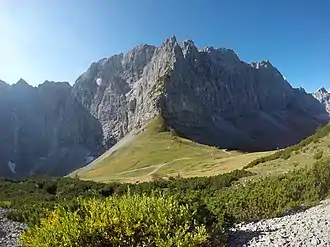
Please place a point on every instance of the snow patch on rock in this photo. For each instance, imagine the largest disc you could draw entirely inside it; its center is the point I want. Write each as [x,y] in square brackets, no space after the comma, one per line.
[12,166]
[99,81]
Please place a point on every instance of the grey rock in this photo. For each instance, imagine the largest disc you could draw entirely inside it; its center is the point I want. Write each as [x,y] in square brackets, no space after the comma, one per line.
[315,241]
[323,96]
[44,130]
[208,95]
[9,231]
[307,228]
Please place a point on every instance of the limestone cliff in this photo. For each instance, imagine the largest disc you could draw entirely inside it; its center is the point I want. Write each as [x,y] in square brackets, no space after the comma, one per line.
[44,130]
[208,95]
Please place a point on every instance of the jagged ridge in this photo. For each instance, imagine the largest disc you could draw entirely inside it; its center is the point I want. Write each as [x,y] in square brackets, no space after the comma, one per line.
[208,95]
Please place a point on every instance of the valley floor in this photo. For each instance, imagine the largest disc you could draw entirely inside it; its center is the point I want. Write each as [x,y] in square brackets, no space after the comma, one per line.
[308,228]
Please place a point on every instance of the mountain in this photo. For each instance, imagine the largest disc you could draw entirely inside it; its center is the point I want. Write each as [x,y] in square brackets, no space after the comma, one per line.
[207,95]
[44,130]
[323,96]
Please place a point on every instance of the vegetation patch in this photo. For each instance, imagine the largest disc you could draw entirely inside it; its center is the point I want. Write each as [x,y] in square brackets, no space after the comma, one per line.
[318,155]
[156,149]
[213,203]
[184,211]
[275,196]
[287,152]
[129,220]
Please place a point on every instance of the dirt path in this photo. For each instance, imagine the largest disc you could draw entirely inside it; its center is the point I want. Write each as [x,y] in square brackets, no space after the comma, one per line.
[157,167]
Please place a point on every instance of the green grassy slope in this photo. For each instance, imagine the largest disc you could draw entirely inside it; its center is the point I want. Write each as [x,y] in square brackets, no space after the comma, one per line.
[303,154]
[155,152]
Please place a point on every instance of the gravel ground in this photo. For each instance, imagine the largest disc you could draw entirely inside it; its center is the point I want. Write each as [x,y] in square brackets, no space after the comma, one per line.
[308,228]
[9,231]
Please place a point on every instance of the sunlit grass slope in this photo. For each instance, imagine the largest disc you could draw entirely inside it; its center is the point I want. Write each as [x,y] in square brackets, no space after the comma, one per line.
[156,152]
[303,154]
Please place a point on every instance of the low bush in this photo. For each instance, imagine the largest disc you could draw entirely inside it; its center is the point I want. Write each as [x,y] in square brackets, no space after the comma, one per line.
[274,196]
[30,198]
[129,220]
[318,155]
[213,204]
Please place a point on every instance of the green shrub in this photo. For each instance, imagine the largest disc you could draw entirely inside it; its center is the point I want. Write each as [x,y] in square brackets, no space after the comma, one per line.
[129,220]
[5,204]
[316,140]
[318,155]
[212,204]
[274,196]
[286,156]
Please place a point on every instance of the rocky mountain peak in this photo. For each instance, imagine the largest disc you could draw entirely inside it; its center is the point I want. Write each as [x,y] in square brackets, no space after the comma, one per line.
[22,84]
[262,64]
[222,51]
[52,84]
[321,91]
[54,91]
[3,84]
[208,95]
[141,48]
[323,96]
[224,56]
[170,40]
[188,48]
[23,91]
[265,66]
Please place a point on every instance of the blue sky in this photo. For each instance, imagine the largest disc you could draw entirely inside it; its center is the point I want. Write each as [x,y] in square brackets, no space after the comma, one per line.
[58,39]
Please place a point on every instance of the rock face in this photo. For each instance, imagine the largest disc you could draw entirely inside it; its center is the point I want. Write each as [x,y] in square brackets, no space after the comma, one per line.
[44,130]
[323,96]
[208,95]
[116,92]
